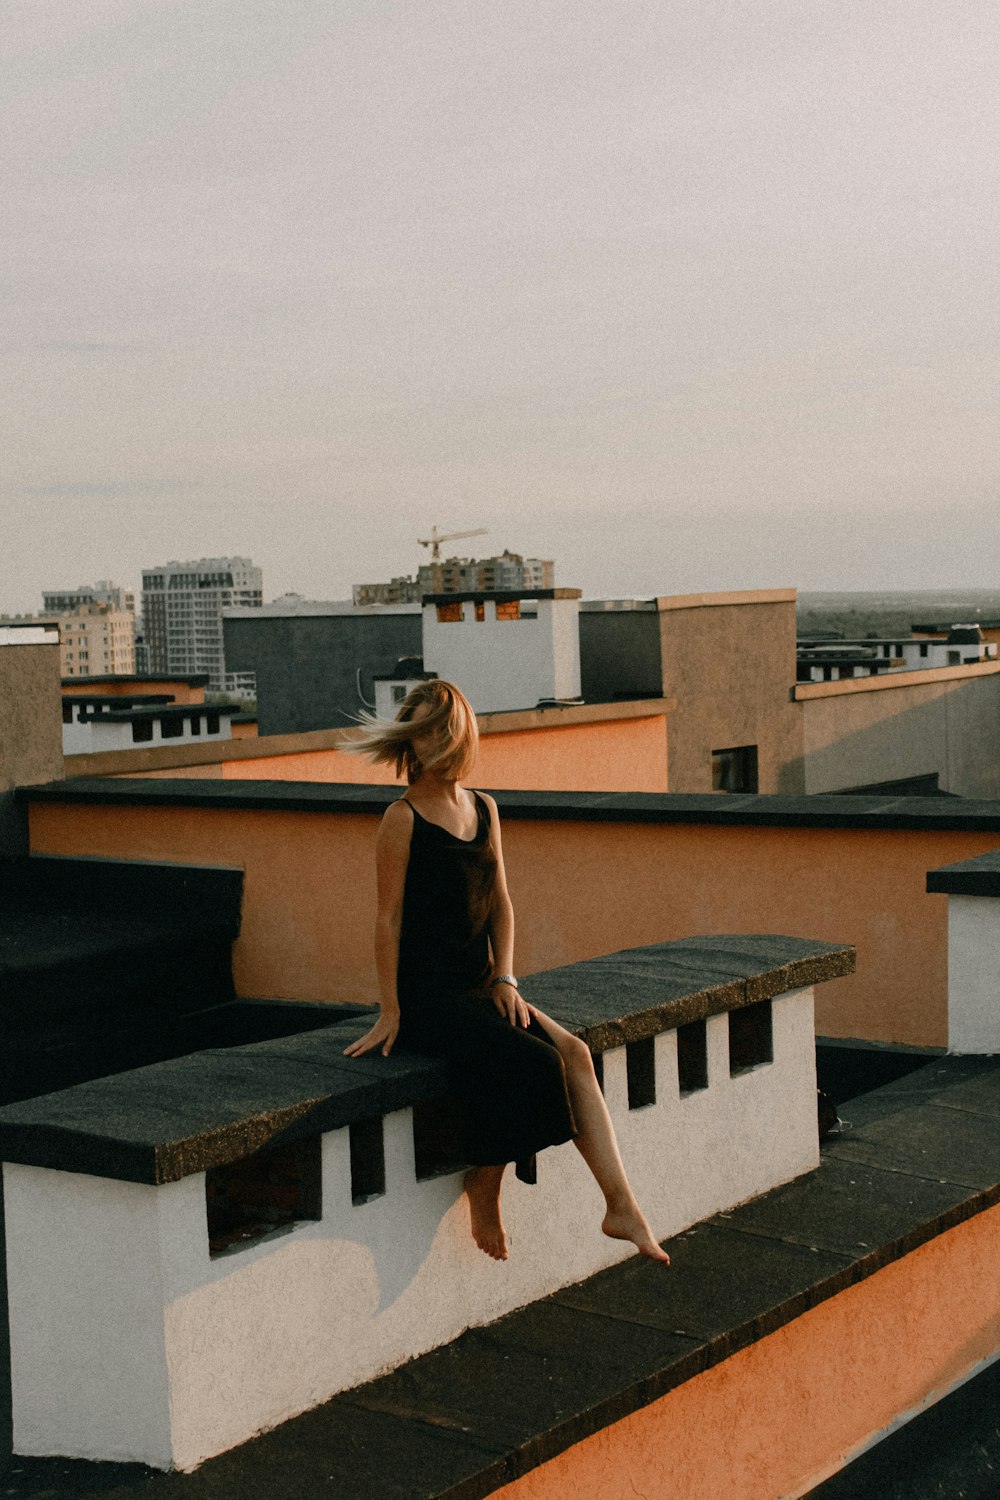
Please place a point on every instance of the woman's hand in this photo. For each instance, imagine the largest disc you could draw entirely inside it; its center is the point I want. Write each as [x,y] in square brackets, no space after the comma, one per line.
[383,1034]
[509,1003]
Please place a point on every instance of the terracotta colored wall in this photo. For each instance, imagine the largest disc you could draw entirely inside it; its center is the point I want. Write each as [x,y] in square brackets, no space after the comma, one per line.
[180,689]
[782,1415]
[580,889]
[309,893]
[617,756]
[731,667]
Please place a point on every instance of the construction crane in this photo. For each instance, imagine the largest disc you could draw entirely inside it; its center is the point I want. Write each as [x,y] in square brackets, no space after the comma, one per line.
[437,537]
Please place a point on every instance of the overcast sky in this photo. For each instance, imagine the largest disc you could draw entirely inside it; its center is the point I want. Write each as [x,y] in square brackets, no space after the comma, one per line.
[686,294]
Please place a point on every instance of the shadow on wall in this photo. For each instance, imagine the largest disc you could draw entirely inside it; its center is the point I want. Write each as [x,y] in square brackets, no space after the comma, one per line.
[953,728]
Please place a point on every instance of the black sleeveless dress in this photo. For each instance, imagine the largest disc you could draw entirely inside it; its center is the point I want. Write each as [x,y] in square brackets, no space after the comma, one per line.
[509,1081]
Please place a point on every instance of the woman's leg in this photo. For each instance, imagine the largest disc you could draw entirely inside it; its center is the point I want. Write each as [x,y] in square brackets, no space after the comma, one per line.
[595,1140]
[482,1188]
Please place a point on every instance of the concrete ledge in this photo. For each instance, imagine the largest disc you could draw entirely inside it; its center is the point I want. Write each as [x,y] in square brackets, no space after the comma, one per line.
[969,877]
[666,602]
[168,1121]
[882,682]
[368,1261]
[825,810]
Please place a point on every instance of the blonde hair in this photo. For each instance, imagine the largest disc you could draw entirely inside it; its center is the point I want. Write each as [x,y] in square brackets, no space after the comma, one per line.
[449,726]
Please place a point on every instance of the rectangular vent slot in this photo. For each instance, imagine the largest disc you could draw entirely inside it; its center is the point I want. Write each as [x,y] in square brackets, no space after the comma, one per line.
[640,1064]
[272,1189]
[692,1057]
[751,1042]
[367,1160]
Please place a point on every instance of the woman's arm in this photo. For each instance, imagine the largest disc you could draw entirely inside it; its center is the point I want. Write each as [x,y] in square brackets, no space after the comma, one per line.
[392,855]
[505,997]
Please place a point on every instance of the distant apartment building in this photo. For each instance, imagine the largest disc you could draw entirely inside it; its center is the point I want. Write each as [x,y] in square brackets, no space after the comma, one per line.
[402,590]
[96,629]
[96,640]
[104,591]
[509,572]
[182,604]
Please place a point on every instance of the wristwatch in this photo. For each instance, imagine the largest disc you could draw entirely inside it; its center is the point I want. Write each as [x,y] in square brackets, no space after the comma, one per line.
[503,979]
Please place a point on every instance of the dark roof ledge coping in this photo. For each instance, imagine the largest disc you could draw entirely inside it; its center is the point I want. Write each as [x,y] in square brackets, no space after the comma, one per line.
[835,810]
[969,877]
[164,1122]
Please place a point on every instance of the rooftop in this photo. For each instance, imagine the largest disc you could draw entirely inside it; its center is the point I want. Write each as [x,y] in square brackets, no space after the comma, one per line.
[919,1157]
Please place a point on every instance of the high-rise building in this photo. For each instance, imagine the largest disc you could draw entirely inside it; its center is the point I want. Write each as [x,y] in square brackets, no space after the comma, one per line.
[458,575]
[65,601]
[182,604]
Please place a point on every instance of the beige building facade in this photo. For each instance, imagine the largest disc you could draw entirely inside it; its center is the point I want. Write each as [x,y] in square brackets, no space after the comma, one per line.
[96,640]
[729,661]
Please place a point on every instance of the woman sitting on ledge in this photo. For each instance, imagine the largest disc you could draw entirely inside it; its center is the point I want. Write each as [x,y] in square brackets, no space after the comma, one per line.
[444,951]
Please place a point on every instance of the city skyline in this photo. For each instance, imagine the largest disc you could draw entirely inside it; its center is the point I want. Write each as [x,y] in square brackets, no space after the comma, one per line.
[690,301]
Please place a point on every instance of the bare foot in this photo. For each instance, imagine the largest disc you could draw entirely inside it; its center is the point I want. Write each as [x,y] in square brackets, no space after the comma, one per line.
[629,1223]
[482,1188]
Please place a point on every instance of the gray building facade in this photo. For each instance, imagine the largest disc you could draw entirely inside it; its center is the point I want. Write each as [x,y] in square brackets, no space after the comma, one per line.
[315,663]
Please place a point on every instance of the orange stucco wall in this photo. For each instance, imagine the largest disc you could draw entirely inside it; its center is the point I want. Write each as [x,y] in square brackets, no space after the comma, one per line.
[544,749]
[618,756]
[580,889]
[783,1414]
[179,688]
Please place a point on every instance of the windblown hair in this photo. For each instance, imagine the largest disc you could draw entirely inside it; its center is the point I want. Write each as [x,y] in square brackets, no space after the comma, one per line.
[449,728]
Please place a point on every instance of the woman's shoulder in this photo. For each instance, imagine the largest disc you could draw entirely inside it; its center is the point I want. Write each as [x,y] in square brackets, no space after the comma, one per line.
[488,803]
[397,820]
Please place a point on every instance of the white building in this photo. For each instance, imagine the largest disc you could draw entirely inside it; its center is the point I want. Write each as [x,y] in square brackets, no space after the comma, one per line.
[92,722]
[505,650]
[182,604]
[825,660]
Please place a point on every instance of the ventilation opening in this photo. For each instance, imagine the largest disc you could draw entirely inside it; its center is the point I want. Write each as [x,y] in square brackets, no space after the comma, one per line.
[735,769]
[367,1160]
[750,1037]
[640,1065]
[692,1057]
[437,1137]
[272,1189]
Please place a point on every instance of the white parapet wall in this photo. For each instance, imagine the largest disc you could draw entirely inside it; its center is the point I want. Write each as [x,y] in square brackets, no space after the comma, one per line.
[973,974]
[973,890]
[129,1341]
[86,734]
